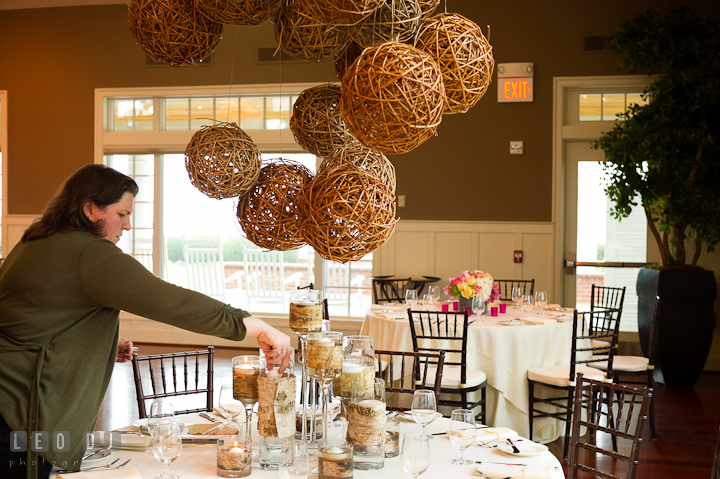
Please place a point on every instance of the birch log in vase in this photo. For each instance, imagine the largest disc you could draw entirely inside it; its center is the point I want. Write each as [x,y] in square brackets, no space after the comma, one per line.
[364,374]
[366,423]
[324,358]
[306,316]
[245,386]
[276,406]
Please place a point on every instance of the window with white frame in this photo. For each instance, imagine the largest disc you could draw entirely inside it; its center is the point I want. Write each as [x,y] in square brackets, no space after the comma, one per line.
[144,134]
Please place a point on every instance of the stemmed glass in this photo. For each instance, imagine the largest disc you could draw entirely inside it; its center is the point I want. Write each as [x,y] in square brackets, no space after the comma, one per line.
[246,371]
[478,305]
[294,462]
[411,297]
[427,302]
[517,294]
[423,407]
[161,412]
[168,446]
[415,455]
[541,300]
[324,361]
[526,302]
[434,293]
[462,433]
[229,407]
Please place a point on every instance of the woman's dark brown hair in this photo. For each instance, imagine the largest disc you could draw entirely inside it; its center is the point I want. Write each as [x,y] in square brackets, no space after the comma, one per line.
[97,183]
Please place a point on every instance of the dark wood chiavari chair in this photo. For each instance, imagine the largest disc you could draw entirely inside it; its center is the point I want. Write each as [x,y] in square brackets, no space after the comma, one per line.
[507,285]
[405,372]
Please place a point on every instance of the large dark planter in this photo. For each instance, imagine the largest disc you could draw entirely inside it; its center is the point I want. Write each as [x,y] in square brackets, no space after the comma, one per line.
[685,325]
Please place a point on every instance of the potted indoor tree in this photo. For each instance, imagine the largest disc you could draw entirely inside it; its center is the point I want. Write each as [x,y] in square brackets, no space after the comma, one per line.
[665,153]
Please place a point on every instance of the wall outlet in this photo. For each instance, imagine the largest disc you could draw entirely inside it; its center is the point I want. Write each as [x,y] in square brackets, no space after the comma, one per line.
[401,201]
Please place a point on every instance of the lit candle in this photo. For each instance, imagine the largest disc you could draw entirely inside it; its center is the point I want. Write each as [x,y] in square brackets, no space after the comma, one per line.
[371,403]
[352,368]
[324,342]
[334,453]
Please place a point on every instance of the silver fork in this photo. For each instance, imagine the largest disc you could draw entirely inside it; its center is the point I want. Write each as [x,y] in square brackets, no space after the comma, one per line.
[121,465]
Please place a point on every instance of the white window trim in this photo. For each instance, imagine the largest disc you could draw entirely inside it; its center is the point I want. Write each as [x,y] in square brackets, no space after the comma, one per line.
[3,149]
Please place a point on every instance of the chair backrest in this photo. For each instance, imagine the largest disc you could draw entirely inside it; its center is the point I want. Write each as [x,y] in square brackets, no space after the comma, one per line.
[507,285]
[606,297]
[264,276]
[716,462]
[307,286]
[174,374]
[204,266]
[435,331]
[390,290]
[625,416]
[603,327]
[654,330]
[405,372]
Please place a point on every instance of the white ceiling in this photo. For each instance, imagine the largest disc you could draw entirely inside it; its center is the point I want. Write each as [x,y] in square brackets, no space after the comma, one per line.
[20,4]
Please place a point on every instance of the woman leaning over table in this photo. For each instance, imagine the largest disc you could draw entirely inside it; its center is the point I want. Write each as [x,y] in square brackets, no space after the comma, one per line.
[61,291]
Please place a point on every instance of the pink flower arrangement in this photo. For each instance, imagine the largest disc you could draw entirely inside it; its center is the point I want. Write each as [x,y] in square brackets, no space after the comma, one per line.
[473,283]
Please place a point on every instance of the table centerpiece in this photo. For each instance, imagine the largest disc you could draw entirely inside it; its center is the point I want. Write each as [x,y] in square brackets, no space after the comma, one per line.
[471,284]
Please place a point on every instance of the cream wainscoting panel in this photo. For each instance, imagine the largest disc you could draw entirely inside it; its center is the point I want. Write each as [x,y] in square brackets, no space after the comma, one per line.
[13,228]
[445,249]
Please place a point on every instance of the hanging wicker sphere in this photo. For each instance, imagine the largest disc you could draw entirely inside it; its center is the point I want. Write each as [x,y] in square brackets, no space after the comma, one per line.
[427,7]
[464,55]
[173,31]
[346,56]
[222,161]
[392,97]
[346,213]
[237,12]
[340,11]
[317,122]
[268,213]
[363,159]
[395,21]
[302,35]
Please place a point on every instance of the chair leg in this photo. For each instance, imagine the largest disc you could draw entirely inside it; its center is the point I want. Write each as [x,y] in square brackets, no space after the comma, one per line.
[483,407]
[651,384]
[568,422]
[531,398]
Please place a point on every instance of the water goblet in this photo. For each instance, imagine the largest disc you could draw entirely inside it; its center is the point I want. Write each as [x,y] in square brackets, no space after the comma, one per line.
[411,298]
[424,407]
[161,412]
[526,304]
[168,445]
[427,302]
[478,305]
[229,407]
[462,433]
[541,300]
[434,292]
[415,455]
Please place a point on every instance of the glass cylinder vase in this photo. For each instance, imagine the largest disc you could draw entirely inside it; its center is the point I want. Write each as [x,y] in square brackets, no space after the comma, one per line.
[324,362]
[366,424]
[306,310]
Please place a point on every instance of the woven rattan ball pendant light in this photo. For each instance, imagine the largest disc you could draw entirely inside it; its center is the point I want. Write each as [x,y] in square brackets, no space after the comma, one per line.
[268,213]
[346,214]
[222,161]
[173,31]
[363,159]
[238,12]
[302,35]
[393,97]
[464,55]
[317,122]
[395,20]
[340,11]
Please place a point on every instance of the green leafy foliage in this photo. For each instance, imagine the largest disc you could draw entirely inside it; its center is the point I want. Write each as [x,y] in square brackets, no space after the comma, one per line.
[667,151]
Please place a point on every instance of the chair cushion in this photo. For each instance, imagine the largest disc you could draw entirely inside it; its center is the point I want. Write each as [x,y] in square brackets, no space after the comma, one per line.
[597,343]
[451,378]
[559,375]
[623,363]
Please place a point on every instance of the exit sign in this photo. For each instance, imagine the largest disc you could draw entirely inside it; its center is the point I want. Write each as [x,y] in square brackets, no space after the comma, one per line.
[515,89]
[515,82]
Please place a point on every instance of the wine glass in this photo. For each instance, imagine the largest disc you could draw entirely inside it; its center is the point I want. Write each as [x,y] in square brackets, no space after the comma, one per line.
[161,412]
[415,455]
[461,433]
[517,294]
[411,297]
[229,407]
[478,305]
[167,446]
[526,302]
[423,407]
[427,302]
[434,293]
[294,462]
[541,300]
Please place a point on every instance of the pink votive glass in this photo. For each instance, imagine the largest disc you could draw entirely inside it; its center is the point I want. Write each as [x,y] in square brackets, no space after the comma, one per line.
[494,311]
[456,305]
[444,308]
[502,307]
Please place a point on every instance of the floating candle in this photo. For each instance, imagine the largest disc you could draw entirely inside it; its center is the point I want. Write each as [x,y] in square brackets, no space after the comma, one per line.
[352,368]
[324,342]
[371,403]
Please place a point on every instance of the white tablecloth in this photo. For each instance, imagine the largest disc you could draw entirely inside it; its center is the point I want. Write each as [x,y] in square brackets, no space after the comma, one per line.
[201,461]
[504,353]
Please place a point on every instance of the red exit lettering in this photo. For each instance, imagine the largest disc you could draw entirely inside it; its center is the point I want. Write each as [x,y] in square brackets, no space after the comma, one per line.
[516,89]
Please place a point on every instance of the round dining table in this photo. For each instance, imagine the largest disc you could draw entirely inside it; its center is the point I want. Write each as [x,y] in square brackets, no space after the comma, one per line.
[504,350]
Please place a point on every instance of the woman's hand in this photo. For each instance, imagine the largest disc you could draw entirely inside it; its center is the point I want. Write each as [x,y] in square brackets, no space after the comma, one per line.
[273,342]
[124,351]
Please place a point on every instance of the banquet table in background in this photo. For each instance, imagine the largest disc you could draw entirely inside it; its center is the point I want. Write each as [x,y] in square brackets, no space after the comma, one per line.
[504,353]
[196,462]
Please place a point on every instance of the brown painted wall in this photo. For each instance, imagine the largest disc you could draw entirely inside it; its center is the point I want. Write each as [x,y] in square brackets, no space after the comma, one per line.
[53,59]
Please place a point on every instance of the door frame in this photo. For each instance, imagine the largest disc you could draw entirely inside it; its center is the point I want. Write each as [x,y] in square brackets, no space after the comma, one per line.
[564,132]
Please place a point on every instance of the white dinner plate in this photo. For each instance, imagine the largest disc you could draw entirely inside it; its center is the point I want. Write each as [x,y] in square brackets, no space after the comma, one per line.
[526,448]
[512,322]
[99,459]
[407,416]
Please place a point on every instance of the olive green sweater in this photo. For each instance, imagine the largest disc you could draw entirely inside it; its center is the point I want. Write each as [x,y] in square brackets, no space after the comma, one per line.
[60,299]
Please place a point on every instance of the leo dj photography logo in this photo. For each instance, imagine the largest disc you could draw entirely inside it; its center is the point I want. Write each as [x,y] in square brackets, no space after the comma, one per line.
[59,441]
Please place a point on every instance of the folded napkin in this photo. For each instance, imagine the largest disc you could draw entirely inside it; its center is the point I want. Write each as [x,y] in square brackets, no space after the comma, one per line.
[130,441]
[494,433]
[516,472]
[536,320]
[124,473]
[395,315]
[562,317]
[389,307]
